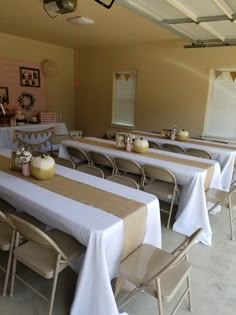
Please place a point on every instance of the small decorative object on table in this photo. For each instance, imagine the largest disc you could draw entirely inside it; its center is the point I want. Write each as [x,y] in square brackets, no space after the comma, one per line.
[183,135]
[43,167]
[120,140]
[24,158]
[173,133]
[169,133]
[141,145]
[129,142]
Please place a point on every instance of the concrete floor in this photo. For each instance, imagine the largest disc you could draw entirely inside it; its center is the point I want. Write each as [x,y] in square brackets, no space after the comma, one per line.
[213,281]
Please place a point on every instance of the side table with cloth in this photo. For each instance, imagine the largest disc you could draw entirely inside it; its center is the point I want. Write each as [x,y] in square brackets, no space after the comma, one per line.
[190,174]
[8,139]
[223,153]
[102,232]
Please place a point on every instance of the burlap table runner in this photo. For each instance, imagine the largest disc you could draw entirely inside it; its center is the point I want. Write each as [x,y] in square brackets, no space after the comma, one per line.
[207,144]
[207,166]
[132,212]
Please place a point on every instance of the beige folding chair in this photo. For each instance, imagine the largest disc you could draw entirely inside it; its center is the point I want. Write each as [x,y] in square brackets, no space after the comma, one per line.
[173,147]
[7,237]
[92,170]
[6,207]
[45,253]
[123,181]
[159,273]
[191,154]
[162,183]
[202,153]
[227,199]
[78,156]
[164,149]
[153,145]
[64,162]
[55,141]
[129,168]
[104,162]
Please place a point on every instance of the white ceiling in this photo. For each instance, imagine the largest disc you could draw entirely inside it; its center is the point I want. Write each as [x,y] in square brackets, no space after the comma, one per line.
[201,22]
[115,26]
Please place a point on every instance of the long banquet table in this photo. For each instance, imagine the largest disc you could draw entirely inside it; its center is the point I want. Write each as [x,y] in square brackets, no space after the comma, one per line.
[192,210]
[225,154]
[7,140]
[101,232]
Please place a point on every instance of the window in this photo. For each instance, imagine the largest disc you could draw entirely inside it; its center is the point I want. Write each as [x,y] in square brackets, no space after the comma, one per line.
[124,96]
[220,121]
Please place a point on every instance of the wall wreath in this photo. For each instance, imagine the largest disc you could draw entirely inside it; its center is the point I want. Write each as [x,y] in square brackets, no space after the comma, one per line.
[26,101]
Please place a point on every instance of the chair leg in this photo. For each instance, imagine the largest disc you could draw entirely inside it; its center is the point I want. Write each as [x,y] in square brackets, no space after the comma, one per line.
[189,295]
[160,307]
[14,265]
[13,276]
[56,271]
[171,208]
[9,264]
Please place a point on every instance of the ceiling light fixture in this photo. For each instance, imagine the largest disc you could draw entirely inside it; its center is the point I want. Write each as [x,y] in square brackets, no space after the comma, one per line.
[81,20]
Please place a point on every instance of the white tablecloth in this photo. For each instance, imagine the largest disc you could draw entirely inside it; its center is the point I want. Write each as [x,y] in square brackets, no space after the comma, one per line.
[101,232]
[192,211]
[225,156]
[6,140]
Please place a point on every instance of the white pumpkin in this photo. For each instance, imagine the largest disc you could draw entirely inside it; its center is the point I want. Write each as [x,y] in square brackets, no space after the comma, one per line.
[43,167]
[140,145]
[183,135]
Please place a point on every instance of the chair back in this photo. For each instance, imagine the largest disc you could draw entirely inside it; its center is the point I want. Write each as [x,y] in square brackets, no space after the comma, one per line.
[123,181]
[153,145]
[202,153]
[191,154]
[158,173]
[77,153]
[127,165]
[179,253]
[57,139]
[173,147]
[92,170]
[101,159]
[64,162]
[33,234]
[3,218]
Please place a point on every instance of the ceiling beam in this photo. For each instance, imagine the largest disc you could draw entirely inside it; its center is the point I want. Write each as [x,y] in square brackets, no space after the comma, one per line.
[193,16]
[225,8]
[198,20]
[209,45]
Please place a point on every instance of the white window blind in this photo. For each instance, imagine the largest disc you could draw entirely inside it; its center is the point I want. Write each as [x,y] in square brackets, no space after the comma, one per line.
[220,119]
[124,97]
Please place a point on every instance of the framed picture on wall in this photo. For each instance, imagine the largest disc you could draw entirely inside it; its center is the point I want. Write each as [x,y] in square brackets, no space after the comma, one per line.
[29,77]
[4,98]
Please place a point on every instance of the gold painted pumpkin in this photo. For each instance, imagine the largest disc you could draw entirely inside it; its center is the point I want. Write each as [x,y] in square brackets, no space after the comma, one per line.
[140,145]
[43,167]
[182,135]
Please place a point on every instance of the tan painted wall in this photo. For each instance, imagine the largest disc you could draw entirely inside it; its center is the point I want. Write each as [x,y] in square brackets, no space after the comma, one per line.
[172,84]
[60,93]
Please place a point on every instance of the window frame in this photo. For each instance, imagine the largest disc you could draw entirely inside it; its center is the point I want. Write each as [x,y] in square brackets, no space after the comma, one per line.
[113,122]
[213,75]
